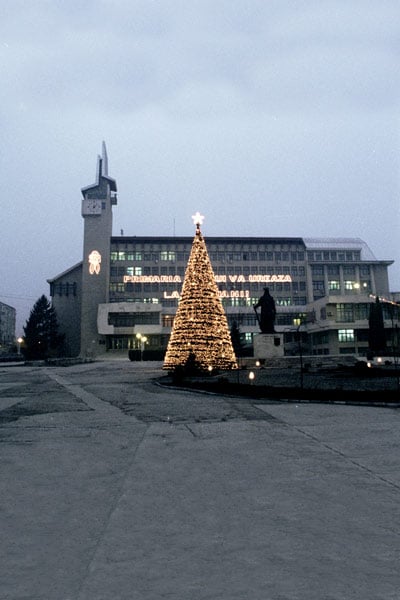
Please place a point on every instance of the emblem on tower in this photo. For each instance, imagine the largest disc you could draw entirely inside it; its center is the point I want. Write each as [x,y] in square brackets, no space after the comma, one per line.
[94,262]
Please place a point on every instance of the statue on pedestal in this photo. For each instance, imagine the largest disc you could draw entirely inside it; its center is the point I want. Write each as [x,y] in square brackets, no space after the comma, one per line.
[268,312]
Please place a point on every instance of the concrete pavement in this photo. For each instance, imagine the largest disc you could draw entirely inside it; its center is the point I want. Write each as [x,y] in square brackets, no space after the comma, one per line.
[113,488]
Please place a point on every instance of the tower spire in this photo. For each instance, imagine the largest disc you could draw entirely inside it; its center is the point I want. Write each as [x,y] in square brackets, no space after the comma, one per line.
[104,159]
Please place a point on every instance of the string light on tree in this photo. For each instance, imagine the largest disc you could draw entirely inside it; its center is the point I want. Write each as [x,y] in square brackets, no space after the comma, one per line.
[200,332]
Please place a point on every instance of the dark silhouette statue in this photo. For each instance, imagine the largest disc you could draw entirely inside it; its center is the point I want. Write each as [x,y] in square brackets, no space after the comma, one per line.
[268,312]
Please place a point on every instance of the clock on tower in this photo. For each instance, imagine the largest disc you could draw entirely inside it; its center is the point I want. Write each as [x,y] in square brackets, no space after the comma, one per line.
[91,207]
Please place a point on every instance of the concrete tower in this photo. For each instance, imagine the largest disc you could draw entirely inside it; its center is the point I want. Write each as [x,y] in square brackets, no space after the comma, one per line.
[97,203]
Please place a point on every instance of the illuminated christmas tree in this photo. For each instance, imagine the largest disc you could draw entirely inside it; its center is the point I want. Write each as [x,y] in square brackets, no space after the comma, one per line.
[200,334]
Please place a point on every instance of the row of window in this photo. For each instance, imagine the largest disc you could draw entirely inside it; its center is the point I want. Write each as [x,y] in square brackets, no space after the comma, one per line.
[334,255]
[171,255]
[63,289]
[119,286]
[335,287]
[246,271]
[133,318]
[334,270]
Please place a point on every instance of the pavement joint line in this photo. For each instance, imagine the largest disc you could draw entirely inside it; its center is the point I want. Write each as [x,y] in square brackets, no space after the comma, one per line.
[94,402]
[346,457]
[113,508]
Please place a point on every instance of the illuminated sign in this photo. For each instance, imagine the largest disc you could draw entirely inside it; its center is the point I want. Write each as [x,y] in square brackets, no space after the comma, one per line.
[94,262]
[218,278]
[152,279]
[222,294]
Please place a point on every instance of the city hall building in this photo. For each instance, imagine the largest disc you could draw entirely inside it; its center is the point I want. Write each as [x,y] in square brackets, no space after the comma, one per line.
[129,285]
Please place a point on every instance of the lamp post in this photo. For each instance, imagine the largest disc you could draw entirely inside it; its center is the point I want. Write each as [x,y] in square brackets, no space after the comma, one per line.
[142,339]
[19,342]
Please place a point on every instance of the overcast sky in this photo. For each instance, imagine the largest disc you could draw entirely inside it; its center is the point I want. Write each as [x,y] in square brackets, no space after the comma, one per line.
[270,117]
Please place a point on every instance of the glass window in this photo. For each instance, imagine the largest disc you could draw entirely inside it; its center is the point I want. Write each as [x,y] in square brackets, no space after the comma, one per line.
[346,335]
[167,255]
[317,270]
[333,270]
[344,313]
[334,285]
[118,255]
[361,311]
[349,270]
[318,286]
[364,270]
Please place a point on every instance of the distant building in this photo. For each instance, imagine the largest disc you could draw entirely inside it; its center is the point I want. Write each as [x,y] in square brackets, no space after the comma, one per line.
[127,285]
[7,326]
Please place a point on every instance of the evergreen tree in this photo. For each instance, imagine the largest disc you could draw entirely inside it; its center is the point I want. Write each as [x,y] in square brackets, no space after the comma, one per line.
[236,337]
[200,332]
[376,338]
[41,338]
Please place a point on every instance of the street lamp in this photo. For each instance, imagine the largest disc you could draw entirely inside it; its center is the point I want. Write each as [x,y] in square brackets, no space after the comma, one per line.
[19,342]
[142,339]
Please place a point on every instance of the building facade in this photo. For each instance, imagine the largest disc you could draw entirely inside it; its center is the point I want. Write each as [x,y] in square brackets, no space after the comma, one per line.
[7,326]
[129,285]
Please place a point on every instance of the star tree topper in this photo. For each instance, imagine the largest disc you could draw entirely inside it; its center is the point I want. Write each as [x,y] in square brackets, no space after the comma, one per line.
[198,219]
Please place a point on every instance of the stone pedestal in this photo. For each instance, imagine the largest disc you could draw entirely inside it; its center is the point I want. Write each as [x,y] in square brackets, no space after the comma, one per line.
[268,345]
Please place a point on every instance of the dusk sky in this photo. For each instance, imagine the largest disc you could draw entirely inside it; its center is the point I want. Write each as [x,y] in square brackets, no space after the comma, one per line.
[270,117]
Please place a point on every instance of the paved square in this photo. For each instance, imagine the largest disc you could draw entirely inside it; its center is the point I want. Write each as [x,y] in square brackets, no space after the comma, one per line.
[116,489]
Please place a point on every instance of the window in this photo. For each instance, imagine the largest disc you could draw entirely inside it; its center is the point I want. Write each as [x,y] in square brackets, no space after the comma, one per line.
[364,270]
[350,285]
[333,270]
[334,285]
[319,287]
[317,270]
[167,255]
[132,319]
[135,255]
[344,313]
[346,335]
[167,320]
[361,311]
[349,270]
[117,287]
[133,270]
[118,255]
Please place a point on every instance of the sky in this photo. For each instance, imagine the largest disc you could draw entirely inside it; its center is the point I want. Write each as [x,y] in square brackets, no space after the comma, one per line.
[270,117]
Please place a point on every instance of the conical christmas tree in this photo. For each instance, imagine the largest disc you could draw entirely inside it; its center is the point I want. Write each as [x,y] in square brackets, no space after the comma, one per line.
[200,334]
